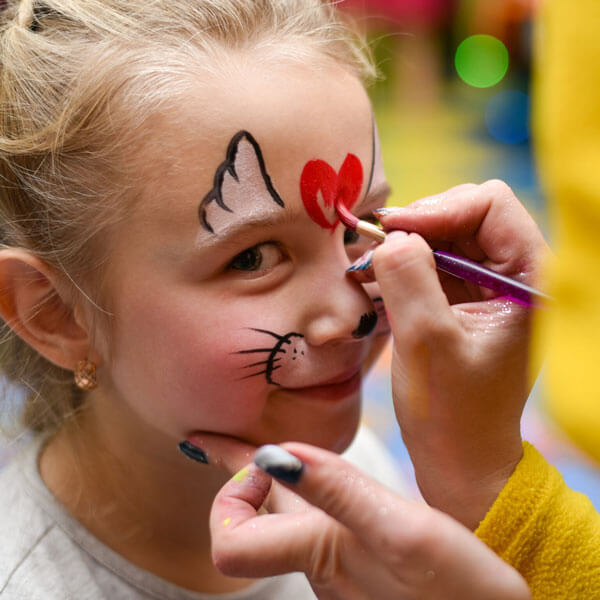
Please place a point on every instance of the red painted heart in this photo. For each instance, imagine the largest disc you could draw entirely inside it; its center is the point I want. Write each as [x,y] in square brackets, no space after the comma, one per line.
[345,186]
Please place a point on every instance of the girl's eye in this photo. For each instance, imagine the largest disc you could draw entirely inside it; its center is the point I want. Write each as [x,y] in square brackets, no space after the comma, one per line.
[261,257]
[357,244]
[248,260]
[350,237]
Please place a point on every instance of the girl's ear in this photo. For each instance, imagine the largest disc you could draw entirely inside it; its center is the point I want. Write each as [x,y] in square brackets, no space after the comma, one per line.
[33,307]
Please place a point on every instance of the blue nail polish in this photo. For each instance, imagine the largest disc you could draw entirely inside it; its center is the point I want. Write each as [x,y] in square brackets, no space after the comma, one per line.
[381,212]
[193,452]
[363,263]
[279,463]
[366,265]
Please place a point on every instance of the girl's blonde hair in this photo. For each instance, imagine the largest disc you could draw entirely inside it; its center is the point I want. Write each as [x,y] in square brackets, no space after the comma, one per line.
[78,79]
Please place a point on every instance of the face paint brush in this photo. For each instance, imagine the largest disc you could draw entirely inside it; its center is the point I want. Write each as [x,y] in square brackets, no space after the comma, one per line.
[454,265]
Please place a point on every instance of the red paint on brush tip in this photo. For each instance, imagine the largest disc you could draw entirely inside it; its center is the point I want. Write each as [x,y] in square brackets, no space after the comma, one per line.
[346,217]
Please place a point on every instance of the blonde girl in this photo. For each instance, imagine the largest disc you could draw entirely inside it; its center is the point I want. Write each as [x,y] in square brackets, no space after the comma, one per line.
[172,264]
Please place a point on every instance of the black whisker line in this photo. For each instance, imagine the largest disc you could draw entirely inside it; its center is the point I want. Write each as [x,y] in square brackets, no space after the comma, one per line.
[261,373]
[275,335]
[253,375]
[262,362]
[271,359]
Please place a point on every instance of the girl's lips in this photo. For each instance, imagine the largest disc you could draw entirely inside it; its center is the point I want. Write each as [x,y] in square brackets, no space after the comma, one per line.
[333,389]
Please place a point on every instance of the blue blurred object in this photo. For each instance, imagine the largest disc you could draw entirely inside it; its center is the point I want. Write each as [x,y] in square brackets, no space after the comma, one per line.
[581,477]
[507,116]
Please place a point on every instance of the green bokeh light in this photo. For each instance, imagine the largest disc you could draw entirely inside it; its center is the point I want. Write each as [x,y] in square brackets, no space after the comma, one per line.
[481,60]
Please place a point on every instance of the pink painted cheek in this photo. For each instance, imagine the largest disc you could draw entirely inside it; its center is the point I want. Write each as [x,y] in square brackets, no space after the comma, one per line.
[217,395]
[186,376]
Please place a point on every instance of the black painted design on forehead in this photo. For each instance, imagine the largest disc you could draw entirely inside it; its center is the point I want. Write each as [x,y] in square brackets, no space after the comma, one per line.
[243,162]
[373,151]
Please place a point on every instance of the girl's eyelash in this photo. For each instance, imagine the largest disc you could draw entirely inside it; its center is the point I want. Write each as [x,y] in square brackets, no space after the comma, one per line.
[370,218]
[351,237]
[252,258]
[245,260]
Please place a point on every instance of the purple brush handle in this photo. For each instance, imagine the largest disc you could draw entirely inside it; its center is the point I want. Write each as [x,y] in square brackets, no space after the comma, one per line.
[466,269]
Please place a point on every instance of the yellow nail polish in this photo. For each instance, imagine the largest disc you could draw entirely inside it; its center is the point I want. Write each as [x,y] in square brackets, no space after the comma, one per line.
[241,475]
[226,521]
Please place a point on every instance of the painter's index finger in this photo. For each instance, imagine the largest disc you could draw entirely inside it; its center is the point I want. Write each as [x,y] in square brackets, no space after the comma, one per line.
[248,542]
[222,451]
[489,213]
[370,510]
[240,499]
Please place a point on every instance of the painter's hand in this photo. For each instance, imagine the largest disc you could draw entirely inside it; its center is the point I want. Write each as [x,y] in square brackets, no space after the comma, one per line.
[460,357]
[362,542]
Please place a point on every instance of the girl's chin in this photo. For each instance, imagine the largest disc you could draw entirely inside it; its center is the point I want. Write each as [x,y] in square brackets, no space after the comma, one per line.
[324,437]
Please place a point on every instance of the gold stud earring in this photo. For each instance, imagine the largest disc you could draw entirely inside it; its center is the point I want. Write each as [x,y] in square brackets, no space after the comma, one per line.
[85,375]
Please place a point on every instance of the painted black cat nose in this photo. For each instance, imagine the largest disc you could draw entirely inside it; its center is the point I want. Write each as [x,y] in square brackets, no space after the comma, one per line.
[366,325]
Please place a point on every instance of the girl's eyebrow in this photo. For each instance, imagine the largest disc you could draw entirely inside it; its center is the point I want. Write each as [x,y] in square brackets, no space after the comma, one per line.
[244,225]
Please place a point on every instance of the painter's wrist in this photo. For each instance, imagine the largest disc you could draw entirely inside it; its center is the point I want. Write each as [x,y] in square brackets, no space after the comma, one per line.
[465,487]
[467,501]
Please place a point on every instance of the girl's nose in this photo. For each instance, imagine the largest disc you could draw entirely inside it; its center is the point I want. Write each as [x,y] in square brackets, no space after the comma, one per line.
[340,309]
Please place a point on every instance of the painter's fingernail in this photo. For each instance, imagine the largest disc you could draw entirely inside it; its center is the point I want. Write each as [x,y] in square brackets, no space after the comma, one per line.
[279,463]
[387,210]
[363,263]
[381,212]
[193,452]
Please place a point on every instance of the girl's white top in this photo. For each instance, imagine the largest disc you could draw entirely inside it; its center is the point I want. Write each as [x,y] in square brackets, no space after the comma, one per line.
[45,554]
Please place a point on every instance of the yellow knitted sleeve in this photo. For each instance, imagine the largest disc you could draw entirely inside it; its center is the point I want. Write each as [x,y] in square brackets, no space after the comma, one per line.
[566,119]
[548,532]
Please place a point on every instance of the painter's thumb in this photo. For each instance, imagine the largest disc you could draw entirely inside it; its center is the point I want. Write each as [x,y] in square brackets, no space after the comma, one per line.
[414,299]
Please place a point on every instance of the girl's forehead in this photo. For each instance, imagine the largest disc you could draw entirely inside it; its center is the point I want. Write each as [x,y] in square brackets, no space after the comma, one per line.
[244,197]
[290,117]
[292,112]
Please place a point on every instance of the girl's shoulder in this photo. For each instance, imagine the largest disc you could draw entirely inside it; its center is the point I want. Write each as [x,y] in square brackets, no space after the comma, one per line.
[46,555]
[37,559]
[21,521]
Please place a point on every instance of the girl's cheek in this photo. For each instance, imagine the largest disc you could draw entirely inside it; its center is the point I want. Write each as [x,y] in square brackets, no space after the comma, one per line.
[226,381]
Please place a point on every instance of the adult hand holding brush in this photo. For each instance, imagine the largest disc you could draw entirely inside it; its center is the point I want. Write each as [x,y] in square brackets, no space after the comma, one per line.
[461,371]
[460,380]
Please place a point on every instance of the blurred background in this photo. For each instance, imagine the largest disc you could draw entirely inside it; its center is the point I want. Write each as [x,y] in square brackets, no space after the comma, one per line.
[453,106]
